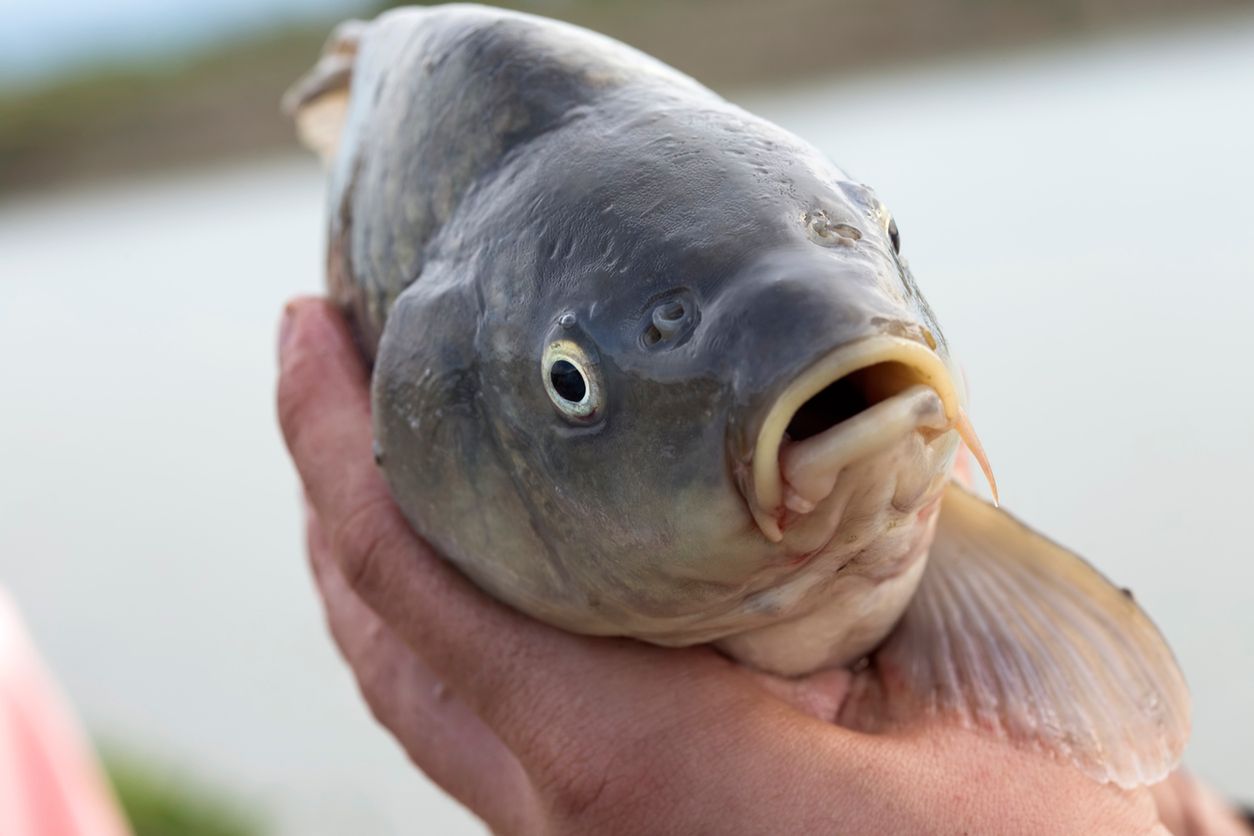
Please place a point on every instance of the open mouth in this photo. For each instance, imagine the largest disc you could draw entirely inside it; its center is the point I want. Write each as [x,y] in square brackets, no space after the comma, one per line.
[850,396]
[856,401]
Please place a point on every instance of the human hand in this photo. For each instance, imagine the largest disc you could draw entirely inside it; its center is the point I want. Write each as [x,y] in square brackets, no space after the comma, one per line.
[541,731]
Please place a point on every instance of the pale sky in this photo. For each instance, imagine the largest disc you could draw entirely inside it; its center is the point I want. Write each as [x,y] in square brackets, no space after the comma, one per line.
[41,36]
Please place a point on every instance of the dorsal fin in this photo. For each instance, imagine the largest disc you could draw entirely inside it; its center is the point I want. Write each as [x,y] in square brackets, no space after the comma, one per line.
[318,102]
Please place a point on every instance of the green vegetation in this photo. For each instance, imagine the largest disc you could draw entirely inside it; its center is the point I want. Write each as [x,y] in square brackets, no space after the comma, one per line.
[223,101]
[159,802]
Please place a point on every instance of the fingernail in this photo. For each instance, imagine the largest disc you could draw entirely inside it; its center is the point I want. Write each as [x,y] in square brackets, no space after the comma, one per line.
[285,325]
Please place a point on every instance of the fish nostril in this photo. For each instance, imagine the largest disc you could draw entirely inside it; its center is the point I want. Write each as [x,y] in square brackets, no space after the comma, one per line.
[848,396]
[669,322]
[672,311]
[823,230]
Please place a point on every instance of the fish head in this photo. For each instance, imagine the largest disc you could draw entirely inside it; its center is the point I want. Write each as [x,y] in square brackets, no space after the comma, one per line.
[686,381]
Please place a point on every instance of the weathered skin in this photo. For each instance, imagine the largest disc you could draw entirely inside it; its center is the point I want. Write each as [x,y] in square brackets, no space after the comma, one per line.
[498,173]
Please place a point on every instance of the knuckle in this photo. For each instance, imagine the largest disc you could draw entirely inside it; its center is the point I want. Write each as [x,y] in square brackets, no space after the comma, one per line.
[577,792]
[380,689]
[361,543]
[599,768]
[615,777]
[612,799]
[591,778]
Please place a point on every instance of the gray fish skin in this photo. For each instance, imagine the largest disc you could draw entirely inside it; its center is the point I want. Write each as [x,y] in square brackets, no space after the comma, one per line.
[504,181]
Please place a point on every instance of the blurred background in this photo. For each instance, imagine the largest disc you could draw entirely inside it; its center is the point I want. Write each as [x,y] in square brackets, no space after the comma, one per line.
[1072,180]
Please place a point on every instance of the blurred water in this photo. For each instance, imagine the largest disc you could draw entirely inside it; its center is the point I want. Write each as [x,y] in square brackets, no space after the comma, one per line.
[1081,220]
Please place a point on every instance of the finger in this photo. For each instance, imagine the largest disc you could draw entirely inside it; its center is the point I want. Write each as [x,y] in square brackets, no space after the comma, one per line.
[1188,808]
[512,671]
[441,735]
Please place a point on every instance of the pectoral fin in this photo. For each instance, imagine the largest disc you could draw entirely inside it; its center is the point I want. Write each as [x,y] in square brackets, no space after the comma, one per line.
[1014,634]
[319,100]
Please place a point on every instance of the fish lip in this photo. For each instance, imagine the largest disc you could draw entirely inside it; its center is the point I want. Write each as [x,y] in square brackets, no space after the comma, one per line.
[766,493]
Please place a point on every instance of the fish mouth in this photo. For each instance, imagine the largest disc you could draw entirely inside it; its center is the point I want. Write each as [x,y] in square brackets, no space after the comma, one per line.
[852,403]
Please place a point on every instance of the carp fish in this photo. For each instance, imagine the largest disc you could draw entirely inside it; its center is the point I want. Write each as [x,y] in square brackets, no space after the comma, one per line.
[646,365]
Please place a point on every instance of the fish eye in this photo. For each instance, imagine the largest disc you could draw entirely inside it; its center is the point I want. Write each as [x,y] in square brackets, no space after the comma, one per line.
[568,382]
[894,235]
[571,381]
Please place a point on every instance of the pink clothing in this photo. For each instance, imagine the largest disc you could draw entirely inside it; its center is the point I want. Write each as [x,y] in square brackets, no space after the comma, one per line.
[50,783]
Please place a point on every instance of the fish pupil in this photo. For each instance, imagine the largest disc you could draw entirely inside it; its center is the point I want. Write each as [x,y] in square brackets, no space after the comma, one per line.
[567,381]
